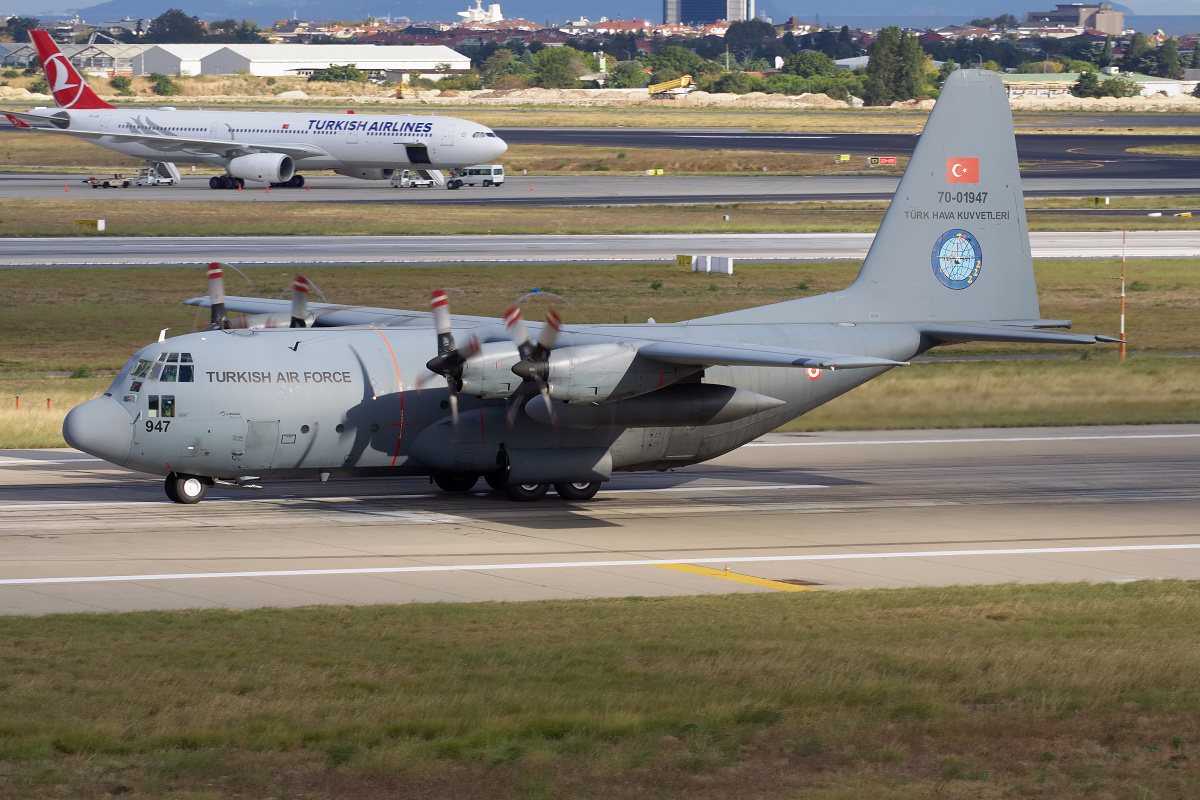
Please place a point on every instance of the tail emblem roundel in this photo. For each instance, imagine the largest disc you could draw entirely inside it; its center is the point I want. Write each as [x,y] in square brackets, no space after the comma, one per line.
[58,73]
[957,259]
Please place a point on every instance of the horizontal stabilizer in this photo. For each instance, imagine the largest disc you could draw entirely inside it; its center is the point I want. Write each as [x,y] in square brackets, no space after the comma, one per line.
[954,334]
[702,354]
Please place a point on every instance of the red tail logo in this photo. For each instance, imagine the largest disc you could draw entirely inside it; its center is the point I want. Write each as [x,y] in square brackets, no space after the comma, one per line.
[69,89]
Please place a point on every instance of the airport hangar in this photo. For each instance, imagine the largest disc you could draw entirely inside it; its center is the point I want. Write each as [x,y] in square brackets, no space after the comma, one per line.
[263,60]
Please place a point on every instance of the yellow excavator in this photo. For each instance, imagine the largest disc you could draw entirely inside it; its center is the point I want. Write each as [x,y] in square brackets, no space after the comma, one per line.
[667,89]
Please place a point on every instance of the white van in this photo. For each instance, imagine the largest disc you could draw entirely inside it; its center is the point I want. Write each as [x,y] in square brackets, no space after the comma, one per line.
[479,175]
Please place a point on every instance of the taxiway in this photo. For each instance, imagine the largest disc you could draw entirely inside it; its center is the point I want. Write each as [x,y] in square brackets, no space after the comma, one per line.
[791,511]
[550,248]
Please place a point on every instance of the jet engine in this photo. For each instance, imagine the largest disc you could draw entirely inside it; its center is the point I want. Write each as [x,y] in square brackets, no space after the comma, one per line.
[265,167]
[367,174]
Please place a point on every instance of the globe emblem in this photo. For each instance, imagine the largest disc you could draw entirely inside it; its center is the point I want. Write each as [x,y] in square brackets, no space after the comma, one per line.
[957,259]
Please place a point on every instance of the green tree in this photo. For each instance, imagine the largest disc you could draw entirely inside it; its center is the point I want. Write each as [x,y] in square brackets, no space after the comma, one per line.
[1006,21]
[1169,64]
[682,60]
[882,68]
[911,72]
[748,34]
[163,85]
[339,74]
[1119,87]
[1088,85]
[19,27]
[1136,53]
[627,75]
[122,84]
[558,68]
[1106,57]
[174,27]
[809,63]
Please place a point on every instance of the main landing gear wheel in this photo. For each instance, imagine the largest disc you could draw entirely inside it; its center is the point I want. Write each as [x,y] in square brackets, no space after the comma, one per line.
[497,480]
[577,492]
[187,489]
[225,182]
[527,492]
[452,482]
[297,182]
[454,183]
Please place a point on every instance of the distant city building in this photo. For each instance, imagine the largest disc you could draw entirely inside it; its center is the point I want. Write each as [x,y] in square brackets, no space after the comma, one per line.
[700,12]
[477,14]
[1098,17]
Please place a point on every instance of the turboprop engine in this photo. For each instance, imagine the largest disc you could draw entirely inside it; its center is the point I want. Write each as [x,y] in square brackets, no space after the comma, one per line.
[592,373]
[367,174]
[265,167]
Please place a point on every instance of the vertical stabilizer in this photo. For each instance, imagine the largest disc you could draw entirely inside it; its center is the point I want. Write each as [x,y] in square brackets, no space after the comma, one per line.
[954,243]
[69,88]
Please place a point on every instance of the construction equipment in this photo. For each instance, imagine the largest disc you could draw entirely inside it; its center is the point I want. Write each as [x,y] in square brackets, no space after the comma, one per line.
[670,89]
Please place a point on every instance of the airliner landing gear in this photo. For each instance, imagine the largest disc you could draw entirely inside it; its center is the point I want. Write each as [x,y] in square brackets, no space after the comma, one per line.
[225,182]
[187,489]
[295,182]
[527,492]
[577,492]
[453,482]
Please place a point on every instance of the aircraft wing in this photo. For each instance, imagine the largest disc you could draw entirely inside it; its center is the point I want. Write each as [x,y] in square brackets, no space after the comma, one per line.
[223,147]
[328,315]
[732,354]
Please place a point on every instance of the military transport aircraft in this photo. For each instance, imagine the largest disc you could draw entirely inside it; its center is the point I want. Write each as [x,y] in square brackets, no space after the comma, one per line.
[266,146]
[380,392]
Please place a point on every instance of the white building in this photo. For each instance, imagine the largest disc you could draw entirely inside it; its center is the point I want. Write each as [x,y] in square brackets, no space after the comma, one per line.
[301,59]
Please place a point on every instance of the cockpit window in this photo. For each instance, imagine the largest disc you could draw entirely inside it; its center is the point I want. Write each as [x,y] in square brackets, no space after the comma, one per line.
[142,369]
[170,368]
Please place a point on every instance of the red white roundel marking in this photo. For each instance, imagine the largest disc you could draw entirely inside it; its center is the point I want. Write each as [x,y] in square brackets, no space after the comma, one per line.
[58,73]
[813,373]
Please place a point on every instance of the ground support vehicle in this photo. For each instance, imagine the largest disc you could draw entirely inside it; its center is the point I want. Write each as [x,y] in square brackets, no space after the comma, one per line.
[478,175]
[115,182]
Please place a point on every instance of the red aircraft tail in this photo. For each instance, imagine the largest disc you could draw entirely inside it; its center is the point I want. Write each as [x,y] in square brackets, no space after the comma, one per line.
[69,88]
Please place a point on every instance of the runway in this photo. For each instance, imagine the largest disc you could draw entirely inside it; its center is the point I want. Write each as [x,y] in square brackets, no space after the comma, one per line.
[580,190]
[601,248]
[790,512]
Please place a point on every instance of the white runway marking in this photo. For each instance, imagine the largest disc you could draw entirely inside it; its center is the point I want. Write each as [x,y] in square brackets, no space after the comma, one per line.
[977,441]
[18,462]
[289,573]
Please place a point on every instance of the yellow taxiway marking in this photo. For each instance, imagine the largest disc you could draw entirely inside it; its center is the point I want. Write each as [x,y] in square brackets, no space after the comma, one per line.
[733,576]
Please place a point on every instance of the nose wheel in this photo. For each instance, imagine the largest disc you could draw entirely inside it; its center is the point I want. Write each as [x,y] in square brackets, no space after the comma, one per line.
[186,489]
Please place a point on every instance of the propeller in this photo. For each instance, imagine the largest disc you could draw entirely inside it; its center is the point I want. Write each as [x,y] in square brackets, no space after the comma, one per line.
[534,366]
[300,288]
[449,361]
[216,296]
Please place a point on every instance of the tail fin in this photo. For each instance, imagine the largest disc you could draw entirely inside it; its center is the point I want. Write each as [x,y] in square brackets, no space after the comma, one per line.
[69,88]
[954,243]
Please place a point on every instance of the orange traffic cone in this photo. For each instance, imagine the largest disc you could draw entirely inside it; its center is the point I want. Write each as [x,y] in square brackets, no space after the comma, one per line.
[268,188]
[531,187]
[239,187]
[307,188]
[66,188]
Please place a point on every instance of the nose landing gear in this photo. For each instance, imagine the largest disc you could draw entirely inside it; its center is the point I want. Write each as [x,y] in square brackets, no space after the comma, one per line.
[187,489]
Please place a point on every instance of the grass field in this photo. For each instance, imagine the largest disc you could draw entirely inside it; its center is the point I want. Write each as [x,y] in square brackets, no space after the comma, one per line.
[1067,691]
[274,216]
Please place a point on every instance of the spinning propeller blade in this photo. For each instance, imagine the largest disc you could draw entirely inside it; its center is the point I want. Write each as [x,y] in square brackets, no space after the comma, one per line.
[534,366]
[216,296]
[449,361]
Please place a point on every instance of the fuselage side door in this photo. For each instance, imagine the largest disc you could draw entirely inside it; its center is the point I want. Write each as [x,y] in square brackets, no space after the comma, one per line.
[447,135]
[262,436]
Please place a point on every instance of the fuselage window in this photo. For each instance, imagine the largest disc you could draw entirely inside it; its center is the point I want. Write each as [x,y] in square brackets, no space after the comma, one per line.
[142,369]
[170,373]
[163,406]
[152,411]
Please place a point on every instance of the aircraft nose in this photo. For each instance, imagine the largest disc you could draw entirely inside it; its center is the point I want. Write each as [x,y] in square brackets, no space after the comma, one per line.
[102,428]
[498,148]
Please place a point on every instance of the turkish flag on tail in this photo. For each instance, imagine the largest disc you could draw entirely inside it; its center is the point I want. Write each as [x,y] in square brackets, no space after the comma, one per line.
[962,170]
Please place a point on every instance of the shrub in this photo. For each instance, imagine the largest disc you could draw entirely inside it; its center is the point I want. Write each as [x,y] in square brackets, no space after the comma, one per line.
[122,84]
[163,85]
[82,371]
[11,73]
[39,87]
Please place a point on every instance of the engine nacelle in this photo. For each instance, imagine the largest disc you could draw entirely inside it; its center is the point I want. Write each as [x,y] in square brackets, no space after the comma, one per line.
[265,167]
[591,373]
[367,174]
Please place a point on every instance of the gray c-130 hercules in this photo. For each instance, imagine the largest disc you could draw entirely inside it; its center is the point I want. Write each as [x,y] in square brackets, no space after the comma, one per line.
[380,392]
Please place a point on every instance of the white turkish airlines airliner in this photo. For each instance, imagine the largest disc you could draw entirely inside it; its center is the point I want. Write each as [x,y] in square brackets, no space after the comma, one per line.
[266,146]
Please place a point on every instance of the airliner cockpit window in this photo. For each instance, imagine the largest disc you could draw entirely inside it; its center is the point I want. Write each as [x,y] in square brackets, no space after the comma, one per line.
[142,369]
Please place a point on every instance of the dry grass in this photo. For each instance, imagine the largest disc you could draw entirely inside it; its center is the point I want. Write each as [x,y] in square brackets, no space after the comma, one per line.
[1142,390]
[1053,691]
[33,424]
